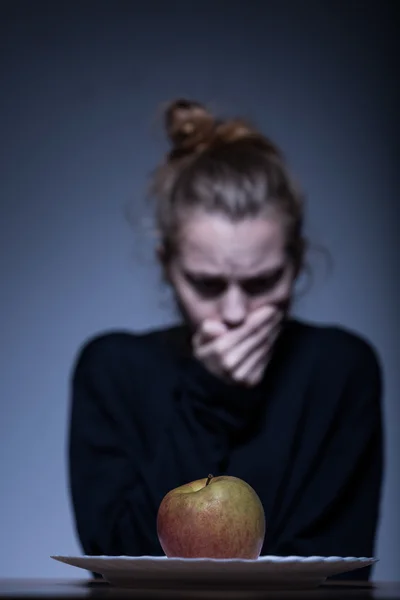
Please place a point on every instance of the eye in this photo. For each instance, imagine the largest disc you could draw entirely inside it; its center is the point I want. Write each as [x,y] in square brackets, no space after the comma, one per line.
[257,286]
[209,287]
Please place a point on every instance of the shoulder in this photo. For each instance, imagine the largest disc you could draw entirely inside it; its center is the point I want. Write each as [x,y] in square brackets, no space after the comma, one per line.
[342,367]
[337,344]
[120,347]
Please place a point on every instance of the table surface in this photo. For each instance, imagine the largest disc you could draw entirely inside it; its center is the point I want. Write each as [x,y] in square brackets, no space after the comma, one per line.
[59,588]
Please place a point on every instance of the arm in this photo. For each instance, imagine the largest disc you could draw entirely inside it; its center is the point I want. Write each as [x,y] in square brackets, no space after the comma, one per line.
[337,509]
[119,472]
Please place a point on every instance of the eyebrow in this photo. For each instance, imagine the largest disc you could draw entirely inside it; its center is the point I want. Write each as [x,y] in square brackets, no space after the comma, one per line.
[265,273]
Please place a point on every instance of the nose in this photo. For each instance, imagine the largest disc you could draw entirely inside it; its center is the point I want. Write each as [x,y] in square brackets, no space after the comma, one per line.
[233,307]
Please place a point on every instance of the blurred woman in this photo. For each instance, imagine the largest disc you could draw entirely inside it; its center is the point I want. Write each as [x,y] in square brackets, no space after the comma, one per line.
[240,387]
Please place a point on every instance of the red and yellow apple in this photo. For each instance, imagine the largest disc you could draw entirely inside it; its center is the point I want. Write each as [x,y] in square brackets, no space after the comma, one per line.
[214,517]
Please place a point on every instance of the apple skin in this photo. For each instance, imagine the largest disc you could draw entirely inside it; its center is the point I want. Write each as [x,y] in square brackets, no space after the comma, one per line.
[214,517]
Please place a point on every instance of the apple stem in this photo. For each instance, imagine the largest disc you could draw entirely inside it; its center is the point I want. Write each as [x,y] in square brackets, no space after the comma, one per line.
[209,479]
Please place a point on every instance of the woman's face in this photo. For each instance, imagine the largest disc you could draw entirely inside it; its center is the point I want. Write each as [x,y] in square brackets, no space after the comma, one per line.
[224,270]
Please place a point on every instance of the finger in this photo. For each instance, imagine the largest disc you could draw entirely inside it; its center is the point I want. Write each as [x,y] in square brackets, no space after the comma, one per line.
[233,337]
[208,331]
[257,373]
[252,373]
[255,362]
[239,353]
[259,317]
[265,336]
[251,367]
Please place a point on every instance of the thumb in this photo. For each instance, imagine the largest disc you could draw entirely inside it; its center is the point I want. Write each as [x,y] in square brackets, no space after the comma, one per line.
[212,329]
[208,331]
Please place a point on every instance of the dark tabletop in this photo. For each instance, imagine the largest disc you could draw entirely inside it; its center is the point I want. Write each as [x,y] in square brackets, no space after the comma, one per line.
[58,588]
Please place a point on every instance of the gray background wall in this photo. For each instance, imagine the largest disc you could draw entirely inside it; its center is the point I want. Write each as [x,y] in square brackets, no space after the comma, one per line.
[81,83]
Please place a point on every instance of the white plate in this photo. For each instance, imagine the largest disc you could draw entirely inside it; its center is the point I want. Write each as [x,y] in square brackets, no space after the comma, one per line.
[268,572]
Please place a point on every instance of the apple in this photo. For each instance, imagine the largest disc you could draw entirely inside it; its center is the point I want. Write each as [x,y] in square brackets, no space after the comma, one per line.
[214,517]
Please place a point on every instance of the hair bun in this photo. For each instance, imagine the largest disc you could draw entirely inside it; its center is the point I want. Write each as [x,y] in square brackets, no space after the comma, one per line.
[235,130]
[189,125]
[191,128]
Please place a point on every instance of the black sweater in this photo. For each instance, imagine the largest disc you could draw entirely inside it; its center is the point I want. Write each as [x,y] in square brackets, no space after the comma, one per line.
[146,417]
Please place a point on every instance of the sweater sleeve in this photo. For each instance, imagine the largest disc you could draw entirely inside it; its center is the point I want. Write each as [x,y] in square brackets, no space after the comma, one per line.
[120,466]
[337,510]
